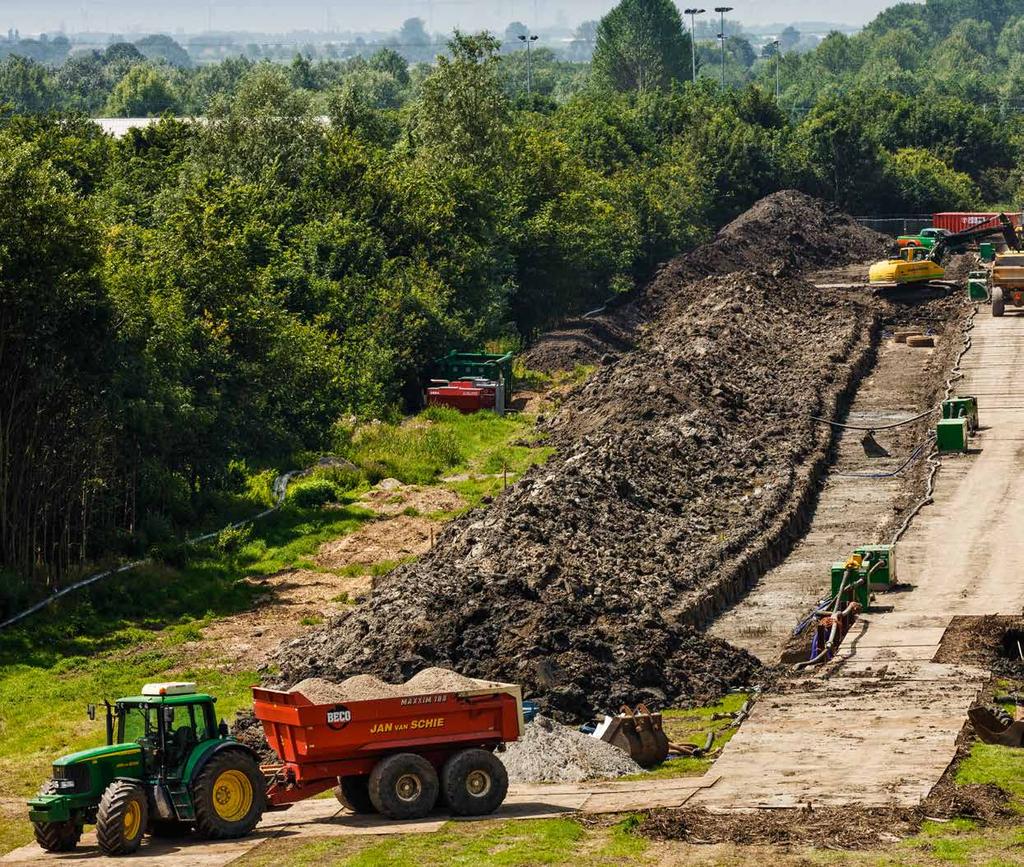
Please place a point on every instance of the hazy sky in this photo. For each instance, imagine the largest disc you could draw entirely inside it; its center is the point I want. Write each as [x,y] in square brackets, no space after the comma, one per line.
[32,16]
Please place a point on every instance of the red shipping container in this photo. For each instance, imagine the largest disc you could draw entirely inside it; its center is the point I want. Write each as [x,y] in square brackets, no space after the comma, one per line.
[958,221]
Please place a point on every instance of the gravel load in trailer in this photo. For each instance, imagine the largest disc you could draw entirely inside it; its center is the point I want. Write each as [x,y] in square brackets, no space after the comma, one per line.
[393,749]
[683,470]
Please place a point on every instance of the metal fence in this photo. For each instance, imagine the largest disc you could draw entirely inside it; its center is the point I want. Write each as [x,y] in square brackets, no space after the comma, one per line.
[906,224]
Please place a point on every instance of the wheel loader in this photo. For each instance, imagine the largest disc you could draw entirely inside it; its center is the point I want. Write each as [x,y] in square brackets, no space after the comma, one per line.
[167,766]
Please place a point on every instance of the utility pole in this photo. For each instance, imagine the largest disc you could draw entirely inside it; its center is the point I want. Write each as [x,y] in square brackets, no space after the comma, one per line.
[778,57]
[693,39]
[529,73]
[721,10]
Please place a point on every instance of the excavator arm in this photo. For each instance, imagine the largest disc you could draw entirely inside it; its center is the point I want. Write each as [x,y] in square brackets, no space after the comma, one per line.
[957,239]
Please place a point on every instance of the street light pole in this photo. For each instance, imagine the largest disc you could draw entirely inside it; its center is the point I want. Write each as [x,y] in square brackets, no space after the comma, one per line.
[693,38]
[529,73]
[721,10]
[778,58]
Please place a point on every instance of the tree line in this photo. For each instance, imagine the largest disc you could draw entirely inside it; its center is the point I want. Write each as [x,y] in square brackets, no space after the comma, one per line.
[198,299]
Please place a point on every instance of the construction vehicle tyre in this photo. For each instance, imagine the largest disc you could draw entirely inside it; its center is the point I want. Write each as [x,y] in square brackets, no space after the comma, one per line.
[57,836]
[474,783]
[122,818]
[998,302]
[354,794]
[1001,714]
[228,795]
[404,786]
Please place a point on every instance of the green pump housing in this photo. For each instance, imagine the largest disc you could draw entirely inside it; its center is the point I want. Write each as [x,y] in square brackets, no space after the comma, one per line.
[160,743]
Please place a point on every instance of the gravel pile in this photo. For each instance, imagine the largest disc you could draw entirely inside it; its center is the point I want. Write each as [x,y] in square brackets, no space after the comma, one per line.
[548,752]
[682,471]
[361,687]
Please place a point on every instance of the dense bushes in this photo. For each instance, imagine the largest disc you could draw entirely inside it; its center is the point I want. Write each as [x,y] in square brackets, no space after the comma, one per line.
[196,295]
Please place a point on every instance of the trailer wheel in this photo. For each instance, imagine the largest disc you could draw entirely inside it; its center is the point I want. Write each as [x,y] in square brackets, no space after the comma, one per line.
[404,786]
[998,302]
[474,783]
[122,818]
[354,793]
[228,796]
[57,836]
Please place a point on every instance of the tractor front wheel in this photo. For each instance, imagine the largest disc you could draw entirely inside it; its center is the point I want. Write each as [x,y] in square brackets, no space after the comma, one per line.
[122,818]
[228,795]
[57,836]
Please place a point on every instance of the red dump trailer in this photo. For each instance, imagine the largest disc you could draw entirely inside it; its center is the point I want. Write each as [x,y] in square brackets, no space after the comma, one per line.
[394,755]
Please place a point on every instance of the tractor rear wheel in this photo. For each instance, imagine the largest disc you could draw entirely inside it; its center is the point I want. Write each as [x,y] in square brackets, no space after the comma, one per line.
[404,786]
[474,782]
[228,795]
[57,836]
[354,793]
[998,302]
[122,818]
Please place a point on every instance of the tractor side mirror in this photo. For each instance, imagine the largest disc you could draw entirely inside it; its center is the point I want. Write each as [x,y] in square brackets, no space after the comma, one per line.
[90,711]
[222,729]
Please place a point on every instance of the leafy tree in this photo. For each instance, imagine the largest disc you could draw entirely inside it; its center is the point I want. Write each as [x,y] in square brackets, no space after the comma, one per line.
[25,86]
[463,113]
[642,45]
[143,92]
[923,183]
[160,47]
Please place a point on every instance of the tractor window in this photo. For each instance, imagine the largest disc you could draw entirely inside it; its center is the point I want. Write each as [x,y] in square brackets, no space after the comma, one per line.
[134,722]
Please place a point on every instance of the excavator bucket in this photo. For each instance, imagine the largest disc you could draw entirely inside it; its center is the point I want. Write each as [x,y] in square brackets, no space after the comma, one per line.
[996,729]
[639,733]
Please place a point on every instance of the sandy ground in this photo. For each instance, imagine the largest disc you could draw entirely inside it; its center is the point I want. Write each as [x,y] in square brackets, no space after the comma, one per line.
[879,725]
[292,600]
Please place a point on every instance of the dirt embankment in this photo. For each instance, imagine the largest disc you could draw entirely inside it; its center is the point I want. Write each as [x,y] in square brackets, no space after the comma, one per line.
[782,235]
[682,471]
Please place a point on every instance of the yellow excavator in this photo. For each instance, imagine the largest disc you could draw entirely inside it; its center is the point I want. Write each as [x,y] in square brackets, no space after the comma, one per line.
[920,265]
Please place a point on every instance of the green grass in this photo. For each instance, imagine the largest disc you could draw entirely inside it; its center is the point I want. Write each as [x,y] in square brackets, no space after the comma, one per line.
[691,726]
[990,763]
[499,843]
[441,442]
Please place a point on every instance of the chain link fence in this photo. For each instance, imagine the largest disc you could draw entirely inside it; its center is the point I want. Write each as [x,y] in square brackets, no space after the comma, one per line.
[902,224]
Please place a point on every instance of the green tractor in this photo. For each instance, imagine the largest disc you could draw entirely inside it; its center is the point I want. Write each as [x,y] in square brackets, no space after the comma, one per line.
[167,767]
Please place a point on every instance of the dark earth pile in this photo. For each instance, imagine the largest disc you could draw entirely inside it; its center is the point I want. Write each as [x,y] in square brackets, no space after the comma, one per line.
[782,234]
[672,464]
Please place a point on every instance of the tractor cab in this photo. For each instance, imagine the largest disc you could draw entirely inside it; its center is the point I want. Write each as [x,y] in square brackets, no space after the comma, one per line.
[168,720]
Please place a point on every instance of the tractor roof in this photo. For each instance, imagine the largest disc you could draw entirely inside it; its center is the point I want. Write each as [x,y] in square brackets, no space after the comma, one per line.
[190,698]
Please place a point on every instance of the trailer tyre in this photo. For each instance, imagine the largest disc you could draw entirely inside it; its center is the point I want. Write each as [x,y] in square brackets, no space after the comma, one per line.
[228,795]
[474,782]
[354,793]
[122,818]
[57,836]
[998,302]
[404,786]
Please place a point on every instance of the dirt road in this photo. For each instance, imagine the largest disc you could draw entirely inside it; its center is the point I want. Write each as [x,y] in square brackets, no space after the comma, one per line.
[880,725]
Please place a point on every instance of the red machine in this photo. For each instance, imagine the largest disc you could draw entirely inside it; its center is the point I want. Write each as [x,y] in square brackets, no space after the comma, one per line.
[393,755]
[466,395]
[958,221]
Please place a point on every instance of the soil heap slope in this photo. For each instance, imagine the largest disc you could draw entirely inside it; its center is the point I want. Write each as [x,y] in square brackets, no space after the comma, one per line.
[678,467]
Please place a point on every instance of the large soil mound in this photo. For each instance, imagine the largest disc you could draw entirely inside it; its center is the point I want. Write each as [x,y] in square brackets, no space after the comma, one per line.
[780,235]
[678,467]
